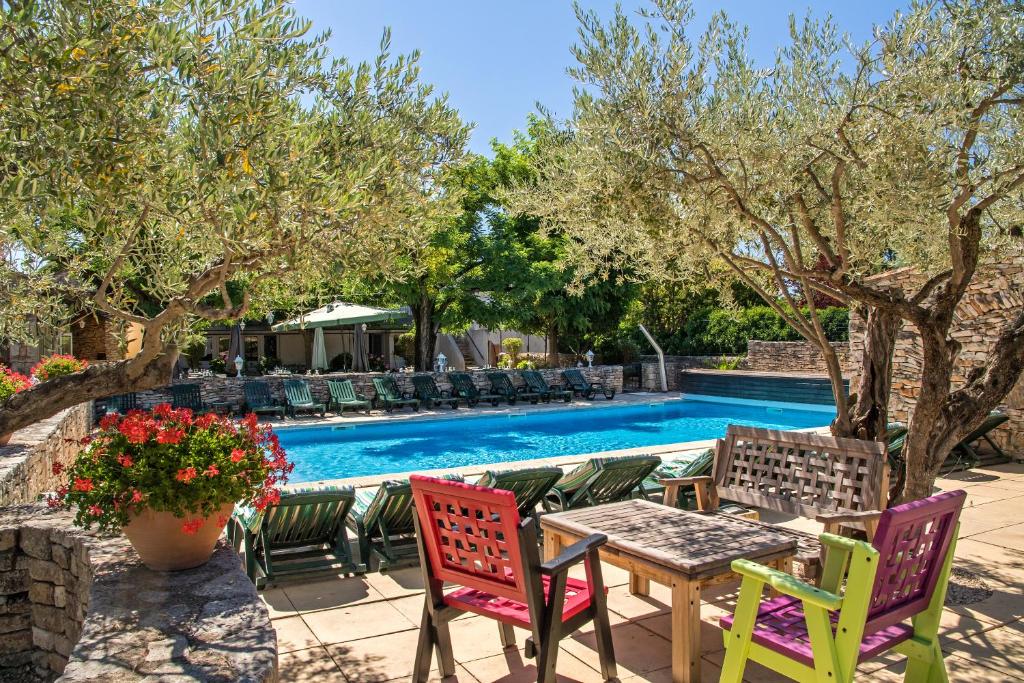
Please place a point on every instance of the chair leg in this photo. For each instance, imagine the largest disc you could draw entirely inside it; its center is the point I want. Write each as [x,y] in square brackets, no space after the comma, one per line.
[424,648]
[605,649]
[551,631]
[931,670]
[737,640]
[507,634]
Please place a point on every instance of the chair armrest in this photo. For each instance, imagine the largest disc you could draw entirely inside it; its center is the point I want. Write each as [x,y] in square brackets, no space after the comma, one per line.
[838,542]
[847,517]
[361,397]
[788,585]
[575,553]
[683,481]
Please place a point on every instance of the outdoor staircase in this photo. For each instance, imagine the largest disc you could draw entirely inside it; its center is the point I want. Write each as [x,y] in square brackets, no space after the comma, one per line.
[465,348]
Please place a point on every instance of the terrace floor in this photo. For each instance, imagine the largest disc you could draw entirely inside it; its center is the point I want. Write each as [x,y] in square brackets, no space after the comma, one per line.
[364,628]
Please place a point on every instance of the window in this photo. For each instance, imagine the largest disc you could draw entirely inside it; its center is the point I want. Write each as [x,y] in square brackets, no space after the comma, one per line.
[252,348]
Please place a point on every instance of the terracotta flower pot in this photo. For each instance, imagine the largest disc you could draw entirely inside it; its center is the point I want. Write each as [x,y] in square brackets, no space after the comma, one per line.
[162,545]
[4,438]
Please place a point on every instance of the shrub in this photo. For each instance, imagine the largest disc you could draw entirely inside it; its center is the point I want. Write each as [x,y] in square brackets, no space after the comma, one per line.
[525,364]
[57,365]
[166,460]
[504,360]
[268,363]
[343,361]
[12,382]
[218,365]
[513,345]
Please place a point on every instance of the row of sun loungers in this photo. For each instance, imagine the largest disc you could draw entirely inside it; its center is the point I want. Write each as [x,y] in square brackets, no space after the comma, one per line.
[309,528]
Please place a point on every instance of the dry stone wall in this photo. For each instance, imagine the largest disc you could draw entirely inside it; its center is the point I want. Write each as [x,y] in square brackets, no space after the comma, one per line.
[81,607]
[26,463]
[796,357]
[994,298]
[231,390]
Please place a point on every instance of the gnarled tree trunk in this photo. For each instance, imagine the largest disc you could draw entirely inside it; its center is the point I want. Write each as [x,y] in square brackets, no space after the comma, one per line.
[426,333]
[869,415]
[146,371]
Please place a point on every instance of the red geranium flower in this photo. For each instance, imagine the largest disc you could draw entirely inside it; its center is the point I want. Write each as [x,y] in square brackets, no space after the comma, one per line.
[125,460]
[95,510]
[170,435]
[237,454]
[211,471]
[136,496]
[186,475]
[83,485]
[57,468]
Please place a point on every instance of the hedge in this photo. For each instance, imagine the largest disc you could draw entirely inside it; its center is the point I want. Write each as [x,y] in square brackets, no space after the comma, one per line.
[718,331]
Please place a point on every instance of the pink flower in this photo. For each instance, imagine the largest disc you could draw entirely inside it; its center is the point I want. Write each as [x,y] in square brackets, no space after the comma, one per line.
[95,510]
[53,502]
[125,460]
[136,496]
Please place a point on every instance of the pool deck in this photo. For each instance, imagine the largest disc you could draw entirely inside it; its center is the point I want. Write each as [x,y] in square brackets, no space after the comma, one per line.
[363,629]
[667,452]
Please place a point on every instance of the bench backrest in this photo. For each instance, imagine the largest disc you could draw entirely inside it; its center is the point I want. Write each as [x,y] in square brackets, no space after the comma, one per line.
[799,473]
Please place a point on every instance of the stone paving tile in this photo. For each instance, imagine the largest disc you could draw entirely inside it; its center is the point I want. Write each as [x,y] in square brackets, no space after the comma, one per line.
[399,583]
[293,634]
[999,648]
[1005,537]
[278,603]
[343,624]
[313,665]
[377,659]
[622,602]
[512,667]
[637,649]
[330,593]
[754,673]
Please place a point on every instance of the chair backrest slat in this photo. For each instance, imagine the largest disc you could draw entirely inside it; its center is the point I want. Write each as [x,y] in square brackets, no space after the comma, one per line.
[470,535]
[426,387]
[341,390]
[257,394]
[912,541]
[298,392]
[463,383]
[800,473]
[186,396]
[617,477]
[575,378]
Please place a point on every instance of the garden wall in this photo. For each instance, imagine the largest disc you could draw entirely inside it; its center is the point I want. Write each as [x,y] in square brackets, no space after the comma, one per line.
[26,463]
[82,605]
[231,390]
[994,298]
[795,356]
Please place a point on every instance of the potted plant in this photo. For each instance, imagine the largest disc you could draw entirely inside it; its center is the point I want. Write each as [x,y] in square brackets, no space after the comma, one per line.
[57,365]
[11,383]
[170,480]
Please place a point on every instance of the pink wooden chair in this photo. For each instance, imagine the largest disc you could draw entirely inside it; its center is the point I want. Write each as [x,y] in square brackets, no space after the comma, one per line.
[473,536]
[821,634]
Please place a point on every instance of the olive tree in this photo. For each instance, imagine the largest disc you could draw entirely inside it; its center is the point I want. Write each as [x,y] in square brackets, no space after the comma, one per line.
[838,162]
[156,157]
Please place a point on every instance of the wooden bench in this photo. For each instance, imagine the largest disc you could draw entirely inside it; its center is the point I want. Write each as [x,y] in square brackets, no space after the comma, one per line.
[841,483]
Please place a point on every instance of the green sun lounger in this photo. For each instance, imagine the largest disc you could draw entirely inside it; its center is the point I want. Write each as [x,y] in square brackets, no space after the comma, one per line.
[383,522]
[188,396]
[343,395]
[298,396]
[601,480]
[258,399]
[697,464]
[501,384]
[529,485]
[580,386]
[963,456]
[427,392]
[120,404]
[304,532]
[389,397]
[537,383]
[464,388]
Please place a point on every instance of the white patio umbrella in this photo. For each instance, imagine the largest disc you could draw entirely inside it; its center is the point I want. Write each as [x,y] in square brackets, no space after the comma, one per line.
[319,350]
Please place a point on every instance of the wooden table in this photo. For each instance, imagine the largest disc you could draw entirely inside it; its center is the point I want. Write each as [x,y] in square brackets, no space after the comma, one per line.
[686,551]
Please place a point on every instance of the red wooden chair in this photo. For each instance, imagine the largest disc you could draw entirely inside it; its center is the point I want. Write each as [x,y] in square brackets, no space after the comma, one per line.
[473,536]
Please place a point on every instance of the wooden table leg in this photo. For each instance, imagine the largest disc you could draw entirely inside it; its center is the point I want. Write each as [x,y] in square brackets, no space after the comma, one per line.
[552,544]
[685,630]
[639,585]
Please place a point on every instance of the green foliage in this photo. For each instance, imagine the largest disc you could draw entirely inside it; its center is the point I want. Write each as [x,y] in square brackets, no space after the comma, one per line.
[57,365]
[525,364]
[268,363]
[166,460]
[343,361]
[513,345]
[12,382]
[727,363]
[218,365]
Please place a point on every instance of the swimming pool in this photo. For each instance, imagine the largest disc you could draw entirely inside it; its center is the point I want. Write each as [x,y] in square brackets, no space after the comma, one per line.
[341,451]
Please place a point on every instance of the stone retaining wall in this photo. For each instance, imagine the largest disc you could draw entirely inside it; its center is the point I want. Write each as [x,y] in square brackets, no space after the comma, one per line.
[674,366]
[994,297]
[81,605]
[231,390]
[26,463]
[795,356]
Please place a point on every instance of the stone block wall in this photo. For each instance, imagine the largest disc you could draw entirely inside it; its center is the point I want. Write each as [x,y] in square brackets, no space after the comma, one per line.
[231,390]
[995,296]
[82,607]
[796,356]
[93,338]
[26,463]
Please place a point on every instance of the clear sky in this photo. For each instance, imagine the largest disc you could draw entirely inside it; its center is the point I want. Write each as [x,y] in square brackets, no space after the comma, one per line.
[497,58]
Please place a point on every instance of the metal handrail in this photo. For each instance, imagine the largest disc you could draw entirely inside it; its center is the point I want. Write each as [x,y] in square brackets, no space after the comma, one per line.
[661,357]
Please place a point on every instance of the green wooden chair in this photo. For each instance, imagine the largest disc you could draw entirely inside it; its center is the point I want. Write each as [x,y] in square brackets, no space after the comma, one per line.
[304,532]
[389,397]
[258,399]
[383,522]
[529,485]
[537,383]
[188,396]
[872,598]
[343,395]
[501,384]
[580,386]
[430,395]
[696,464]
[299,398]
[601,480]
[464,388]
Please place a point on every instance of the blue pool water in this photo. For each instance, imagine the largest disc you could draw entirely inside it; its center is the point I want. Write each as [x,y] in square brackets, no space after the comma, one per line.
[402,446]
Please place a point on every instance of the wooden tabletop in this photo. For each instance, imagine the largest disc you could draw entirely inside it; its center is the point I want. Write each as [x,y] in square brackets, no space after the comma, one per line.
[692,543]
